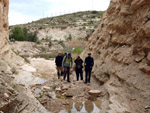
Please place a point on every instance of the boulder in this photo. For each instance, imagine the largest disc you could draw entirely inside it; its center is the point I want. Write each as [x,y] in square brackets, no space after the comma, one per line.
[6,95]
[58,89]
[94,93]
[73,92]
[46,88]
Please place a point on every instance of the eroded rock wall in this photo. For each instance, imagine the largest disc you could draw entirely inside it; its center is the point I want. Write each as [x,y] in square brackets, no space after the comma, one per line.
[121,49]
[8,59]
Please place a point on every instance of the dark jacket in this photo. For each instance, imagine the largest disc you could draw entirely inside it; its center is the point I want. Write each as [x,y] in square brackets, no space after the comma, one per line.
[89,62]
[58,60]
[78,63]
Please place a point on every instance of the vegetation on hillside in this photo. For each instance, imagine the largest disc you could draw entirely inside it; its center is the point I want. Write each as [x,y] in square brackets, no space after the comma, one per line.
[85,18]
[22,34]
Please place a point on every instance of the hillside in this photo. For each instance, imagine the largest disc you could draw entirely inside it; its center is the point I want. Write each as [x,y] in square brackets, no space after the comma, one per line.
[78,25]
[121,49]
[61,33]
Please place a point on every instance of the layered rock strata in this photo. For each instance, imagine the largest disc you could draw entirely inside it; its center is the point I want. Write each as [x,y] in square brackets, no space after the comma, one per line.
[8,59]
[121,49]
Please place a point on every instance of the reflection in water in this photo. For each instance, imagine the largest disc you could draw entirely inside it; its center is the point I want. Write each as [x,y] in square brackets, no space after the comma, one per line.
[87,107]
[37,90]
[63,111]
[78,106]
[73,110]
[41,81]
[96,109]
[83,110]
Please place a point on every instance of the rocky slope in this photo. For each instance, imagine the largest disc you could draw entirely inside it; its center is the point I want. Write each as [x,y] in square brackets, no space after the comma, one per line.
[14,98]
[121,49]
[6,55]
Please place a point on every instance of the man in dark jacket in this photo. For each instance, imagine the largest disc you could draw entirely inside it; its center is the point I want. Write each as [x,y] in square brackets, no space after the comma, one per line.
[58,62]
[78,68]
[89,62]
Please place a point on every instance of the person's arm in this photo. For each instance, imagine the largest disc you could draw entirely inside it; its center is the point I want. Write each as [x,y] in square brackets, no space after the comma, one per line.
[63,60]
[81,61]
[71,62]
[55,59]
[85,61]
[75,61]
[92,62]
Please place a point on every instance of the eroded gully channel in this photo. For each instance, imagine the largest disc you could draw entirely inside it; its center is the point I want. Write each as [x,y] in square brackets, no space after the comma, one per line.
[59,96]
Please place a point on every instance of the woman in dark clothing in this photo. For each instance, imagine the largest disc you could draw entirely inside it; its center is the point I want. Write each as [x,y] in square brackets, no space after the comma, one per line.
[78,68]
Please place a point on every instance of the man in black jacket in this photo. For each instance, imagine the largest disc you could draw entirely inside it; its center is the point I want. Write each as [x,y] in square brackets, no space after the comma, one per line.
[89,62]
[78,68]
[58,62]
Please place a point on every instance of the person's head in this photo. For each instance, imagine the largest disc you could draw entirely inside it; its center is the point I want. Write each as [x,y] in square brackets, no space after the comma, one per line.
[78,57]
[59,54]
[65,54]
[89,54]
[69,54]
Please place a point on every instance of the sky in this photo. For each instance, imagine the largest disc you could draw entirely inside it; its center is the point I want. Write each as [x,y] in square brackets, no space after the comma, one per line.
[24,11]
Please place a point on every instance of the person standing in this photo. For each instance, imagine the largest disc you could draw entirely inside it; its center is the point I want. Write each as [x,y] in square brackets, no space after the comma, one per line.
[89,62]
[78,68]
[58,62]
[67,64]
[63,55]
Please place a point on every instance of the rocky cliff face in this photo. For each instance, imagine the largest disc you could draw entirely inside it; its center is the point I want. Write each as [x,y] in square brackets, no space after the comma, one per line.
[7,57]
[121,49]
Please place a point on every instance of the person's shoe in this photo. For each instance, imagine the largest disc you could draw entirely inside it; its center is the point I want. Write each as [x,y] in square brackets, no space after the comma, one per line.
[68,81]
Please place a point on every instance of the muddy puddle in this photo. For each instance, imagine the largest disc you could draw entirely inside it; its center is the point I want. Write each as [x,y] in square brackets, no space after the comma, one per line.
[40,81]
[83,107]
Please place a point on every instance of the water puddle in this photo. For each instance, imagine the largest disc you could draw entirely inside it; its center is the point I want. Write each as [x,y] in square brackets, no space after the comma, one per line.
[37,90]
[84,107]
[41,81]
[63,111]
[52,95]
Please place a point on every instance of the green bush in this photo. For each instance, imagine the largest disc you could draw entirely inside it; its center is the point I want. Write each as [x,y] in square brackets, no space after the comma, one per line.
[94,12]
[22,34]
[77,50]
[18,34]
[32,36]
[61,42]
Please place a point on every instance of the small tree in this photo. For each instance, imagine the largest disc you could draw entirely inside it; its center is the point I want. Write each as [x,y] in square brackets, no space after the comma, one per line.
[18,34]
[22,34]
[32,36]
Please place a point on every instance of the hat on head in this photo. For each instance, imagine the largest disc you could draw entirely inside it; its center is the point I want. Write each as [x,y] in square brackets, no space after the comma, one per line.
[69,54]
[65,53]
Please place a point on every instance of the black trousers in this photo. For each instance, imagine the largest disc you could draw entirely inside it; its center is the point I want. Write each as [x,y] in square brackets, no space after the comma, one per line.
[88,75]
[67,72]
[79,72]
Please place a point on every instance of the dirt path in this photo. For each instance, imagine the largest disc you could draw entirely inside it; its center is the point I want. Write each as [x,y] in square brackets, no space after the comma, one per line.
[59,96]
